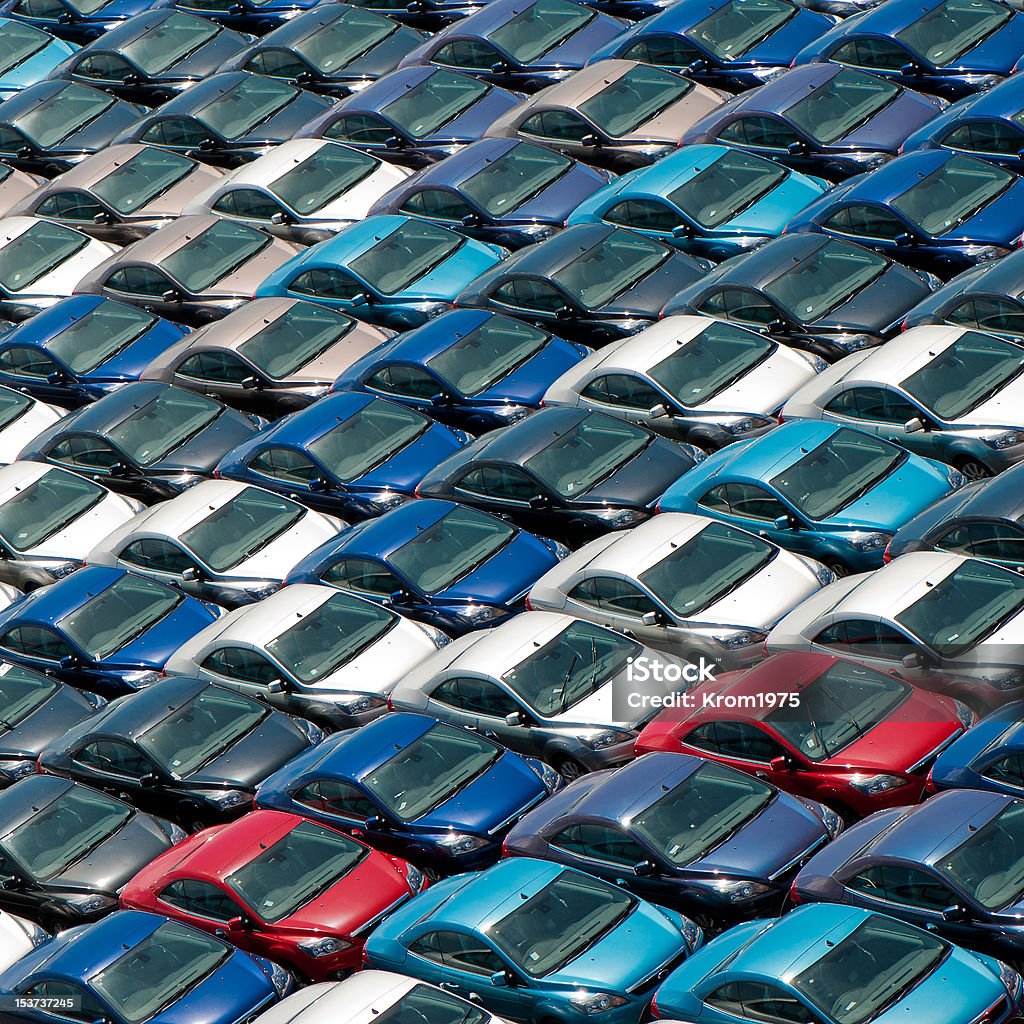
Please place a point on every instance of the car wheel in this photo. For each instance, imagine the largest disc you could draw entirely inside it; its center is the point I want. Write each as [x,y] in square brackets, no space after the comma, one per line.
[847,813]
[973,469]
[569,768]
[837,568]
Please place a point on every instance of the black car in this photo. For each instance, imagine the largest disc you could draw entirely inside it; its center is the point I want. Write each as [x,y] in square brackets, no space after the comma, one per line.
[811,292]
[66,849]
[565,473]
[591,283]
[185,748]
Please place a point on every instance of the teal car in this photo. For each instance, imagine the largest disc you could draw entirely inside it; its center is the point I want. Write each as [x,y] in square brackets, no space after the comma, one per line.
[819,489]
[27,55]
[710,201]
[393,271]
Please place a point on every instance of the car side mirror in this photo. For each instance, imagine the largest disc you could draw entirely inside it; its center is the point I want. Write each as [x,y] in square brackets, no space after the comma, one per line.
[207,146]
[102,218]
[25,152]
[513,718]
[250,383]
[564,313]
[394,142]
[797,148]
[500,979]
[697,66]
[64,18]
[130,79]
[359,299]
[399,597]
[683,230]
[915,425]
[652,618]
[590,139]
[275,686]
[68,662]
[440,399]
[471,220]
[171,295]
[540,503]
[910,68]
[191,574]
[375,823]
[280,218]
[319,484]
[57,377]
[11,883]
[780,764]
[239,923]
[150,780]
[955,913]
[782,523]
[499,67]
[657,412]
[919,660]
[777,327]
[120,469]
[645,869]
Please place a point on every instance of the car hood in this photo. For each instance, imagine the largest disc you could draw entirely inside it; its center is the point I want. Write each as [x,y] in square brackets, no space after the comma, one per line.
[160,641]
[770,213]
[200,454]
[31,736]
[88,530]
[207,59]
[881,303]
[555,203]
[287,121]
[355,203]
[178,196]
[885,132]
[790,39]
[132,360]
[450,276]
[503,576]
[574,51]
[651,293]
[380,667]
[527,383]
[405,469]
[1002,409]
[643,479]
[36,68]
[255,756]
[767,596]
[273,561]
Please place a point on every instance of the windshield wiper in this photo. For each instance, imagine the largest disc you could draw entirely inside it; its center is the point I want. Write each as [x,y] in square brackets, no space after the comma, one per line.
[563,696]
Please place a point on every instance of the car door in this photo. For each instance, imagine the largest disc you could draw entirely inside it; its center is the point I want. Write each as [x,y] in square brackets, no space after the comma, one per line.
[747,747]
[250,672]
[885,412]
[871,641]
[753,1001]
[999,542]
[19,894]
[205,905]
[119,767]
[618,603]
[875,227]
[997,314]
[510,492]
[147,287]
[541,303]
[100,461]
[409,384]
[334,288]
[182,135]
[566,131]
[41,648]
[772,137]
[61,1001]
[28,368]
[481,704]
[166,562]
[225,376]
[632,398]
[250,206]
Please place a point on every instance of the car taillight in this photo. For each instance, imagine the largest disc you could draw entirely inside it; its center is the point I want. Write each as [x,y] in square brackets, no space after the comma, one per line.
[543,404]
[416,492]
[657,507]
[504,847]
[929,782]
[899,152]
[529,607]
[794,896]
[216,474]
[391,704]
[782,419]
[887,554]
[903,326]
[764,649]
[654,1007]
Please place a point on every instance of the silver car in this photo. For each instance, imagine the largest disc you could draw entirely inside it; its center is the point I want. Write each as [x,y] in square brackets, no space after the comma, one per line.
[690,378]
[219,541]
[22,419]
[947,393]
[683,584]
[15,185]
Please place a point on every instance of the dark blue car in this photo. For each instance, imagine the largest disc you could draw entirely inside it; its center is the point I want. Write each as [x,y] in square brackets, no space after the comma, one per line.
[989,756]
[257,17]
[77,22]
[435,794]
[349,454]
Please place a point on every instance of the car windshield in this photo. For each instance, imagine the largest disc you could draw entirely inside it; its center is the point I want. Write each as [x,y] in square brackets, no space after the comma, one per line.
[405,255]
[971,371]
[727,186]
[59,116]
[634,98]
[239,528]
[159,971]
[539,28]
[330,636]
[841,705]
[952,28]
[294,870]
[213,254]
[740,25]
[64,831]
[825,280]
[302,333]
[367,439]
[703,570]
[438,99]
[516,176]
[476,361]
[104,331]
[609,268]
[430,771]
[23,692]
[142,178]
[33,254]
[587,453]
[88,6]
[246,105]
[163,424]
[964,608]
[837,107]
[560,922]
[871,969]
[18,42]
[453,547]
[176,37]
[989,864]
[38,510]
[322,177]
[837,472]
[569,667]
[425,1003]
[348,35]
[13,405]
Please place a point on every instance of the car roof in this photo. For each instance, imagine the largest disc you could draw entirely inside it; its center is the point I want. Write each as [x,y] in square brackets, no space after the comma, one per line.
[26,798]
[186,509]
[128,31]
[764,456]
[281,158]
[486,19]
[100,416]
[551,255]
[354,240]
[356,1000]
[48,323]
[1000,497]
[381,536]
[202,94]
[388,87]
[310,21]
[579,86]
[894,361]
[887,19]
[234,330]
[49,604]
[315,420]
[24,102]
[166,240]
[262,621]
[782,92]
[764,264]
[1004,276]
[524,439]
[423,343]
[468,160]
[98,166]
[894,587]
[892,179]
[1001,101]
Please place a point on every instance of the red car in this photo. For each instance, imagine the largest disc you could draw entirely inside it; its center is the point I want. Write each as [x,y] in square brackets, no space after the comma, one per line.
[280,886]
[817,726]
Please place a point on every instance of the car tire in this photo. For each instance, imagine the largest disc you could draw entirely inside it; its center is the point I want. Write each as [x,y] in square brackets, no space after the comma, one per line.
[847,813]
[570,769]
[973,469]
[838,568]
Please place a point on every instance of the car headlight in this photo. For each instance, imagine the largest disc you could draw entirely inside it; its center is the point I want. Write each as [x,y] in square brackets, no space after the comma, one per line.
[1008,679]
[979,253]
[596,1002]
[438,637]
[227,798]
[871,541]
[606,738]
[457,843]
[137,680]
[743,638]
[853,342]
[869,161]
[279,977]
[387,501]
[735,890]
[825,575]
[560,551]
[832,822]
[551,779]
[767,74]
[873,785]
[312,732]
[749,423]
[36,935]
[415,878]
[617,517]
[185,481]
[1010,978]
[18,769]
[1005,440]
[359,703]
[61,569]
[819,364]
[89,903]
[956,479]
[692,933]
[479,613]
[175,833]
[265,591]
[511,413]
[433,310]
[326,946]
[965,716]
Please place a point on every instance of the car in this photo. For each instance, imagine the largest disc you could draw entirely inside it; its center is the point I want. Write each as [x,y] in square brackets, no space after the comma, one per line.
[569,473]
[939,391]
[82,348]
[228,118]
[505,191]
[193,270]
[349,454]
[825,490]
[522,46]
[821,119]
[414,116]
[151,58]
[18,937]
[616,114]
[418,788]
[397,272]
[987,757]
[333,49]
[687,832]
[683,584]
[820,959]
[278,884]
[824,295]
[220,541]
[951,48]
[15,186]
[120,194]
[534,939]
[313,651]
[691,379]
[541,684]
[446,564]
[186,748]
[303,190]
[592,283]
[710,201]
[27,55]
[76,22]
[133,966]
[67,849]
[268,356]
[22,418]
[471,369]
[146,439]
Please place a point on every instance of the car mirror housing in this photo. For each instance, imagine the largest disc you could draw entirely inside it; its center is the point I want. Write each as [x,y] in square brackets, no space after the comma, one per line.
[240,923]
[540,503]
[171,295]
[280,218]
[102,218]
[319,484]
[590,140]
[781,763]
[914,425]
[394,142]
[276,686]
[955,913]
[513,718]
[782,523]
[250,383]
[645,869]
[150,780]
[191,574]
[68,662]
[500,979]
[657,412]
[797,148]
[652,618]
[375,823]
[11,883]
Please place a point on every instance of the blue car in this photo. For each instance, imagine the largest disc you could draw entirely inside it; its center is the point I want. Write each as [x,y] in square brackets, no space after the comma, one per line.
[454,567]
[101,629]
[397,272]
[420,789]
[816,488]
[74,22]
[348,454]
[941,212]
[27,55]
[989,756]
[537,942]
[83,348]
[470,368]
[132,967]
[841,965]
[710,201]
[255,17]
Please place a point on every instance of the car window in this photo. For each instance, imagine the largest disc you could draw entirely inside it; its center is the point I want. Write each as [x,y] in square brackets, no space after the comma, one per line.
[999,542]
[995,138]
[407,381]
[599,843]
[758,1001]
[161,555]
[1007,770]
[138,281]
[562,125]
[741,305]
[503,483]
[865,637]
[202,899]
[76,207]
[36,642]
[276,64]
[362,576]
[113,758]
[871,54]
[759,132]
[83,1006]
[438,204]
[467,55]
[1000,316]
[612,595]
[103,67]
[176,133]
[877,404]
[242,664]
[866,222]
[735,739]
[332,797]
[84,452]
[23,361]
[458,952]
[895,883]
[478,696]
[360,129]
[623,390]
[527,293]
[45,10]
[644,215]
[744,500]
[285,465]
[672,52]
[215,367]
[327,284]
[249,203]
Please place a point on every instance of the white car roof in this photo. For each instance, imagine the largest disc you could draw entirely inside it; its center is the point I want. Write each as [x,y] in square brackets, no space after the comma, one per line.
[896,586]
[20,474]
[268,618]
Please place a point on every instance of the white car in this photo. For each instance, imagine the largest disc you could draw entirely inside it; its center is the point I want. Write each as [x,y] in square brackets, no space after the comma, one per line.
[220,541]
[22,419]
[312,651]
[18,937]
